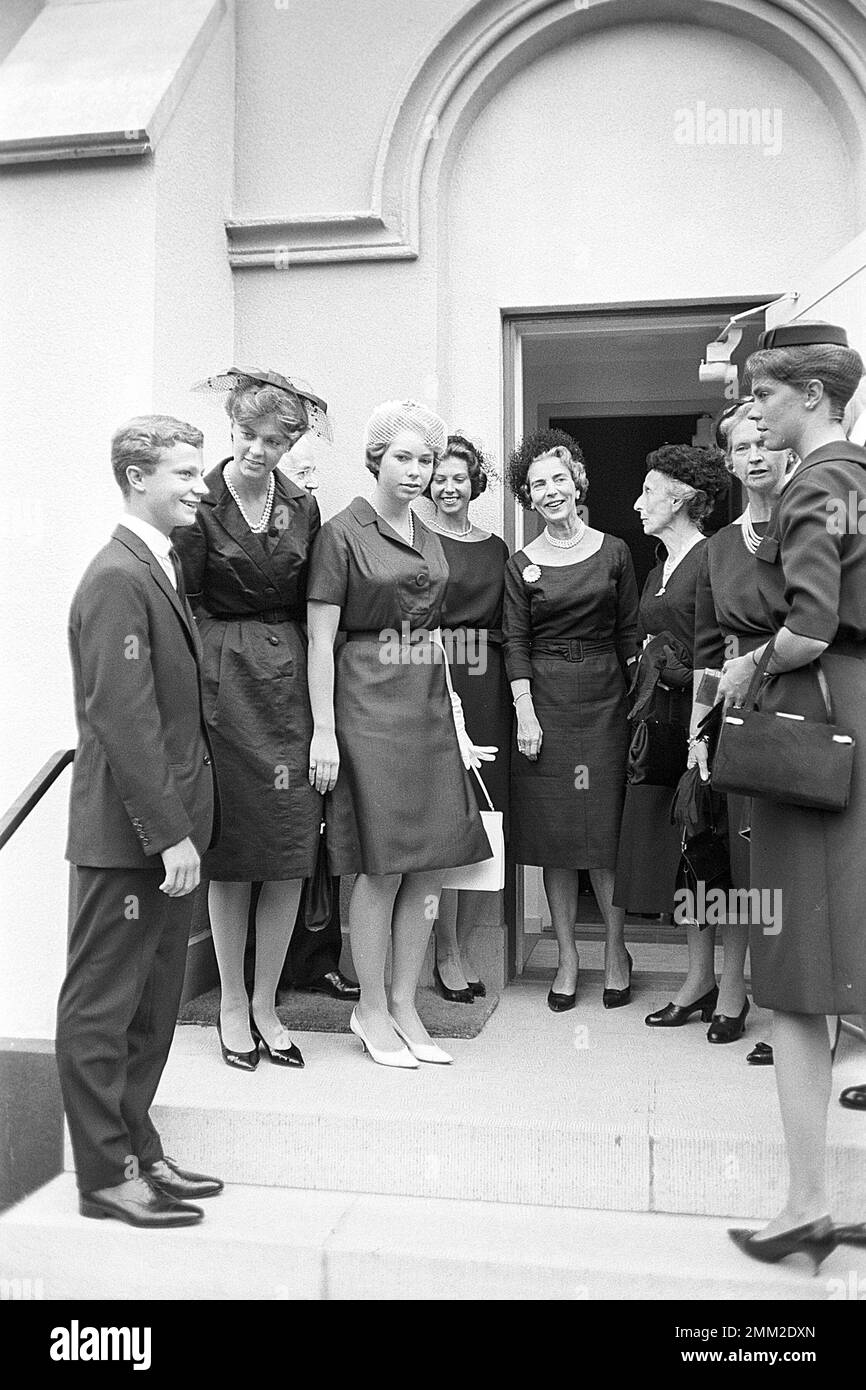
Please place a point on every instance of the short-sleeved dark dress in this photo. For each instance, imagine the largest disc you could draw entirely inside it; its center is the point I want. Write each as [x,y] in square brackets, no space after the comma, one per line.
[570,630]
[403,801]
[650,847]
[472,614]
[812,574]
[730,620]
[249,595]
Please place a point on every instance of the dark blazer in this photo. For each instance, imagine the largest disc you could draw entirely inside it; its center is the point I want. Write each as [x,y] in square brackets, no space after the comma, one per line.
[143,776]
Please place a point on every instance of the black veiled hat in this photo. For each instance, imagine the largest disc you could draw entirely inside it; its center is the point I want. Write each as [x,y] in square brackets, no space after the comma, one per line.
[317,409]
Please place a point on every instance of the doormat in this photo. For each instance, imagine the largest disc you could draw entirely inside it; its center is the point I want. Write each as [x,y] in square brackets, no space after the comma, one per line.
[319,1013]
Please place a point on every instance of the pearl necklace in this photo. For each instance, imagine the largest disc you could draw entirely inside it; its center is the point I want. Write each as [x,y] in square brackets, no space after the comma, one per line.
[458,535]
[262,524]
[411,540]
[751,539]
[567,545]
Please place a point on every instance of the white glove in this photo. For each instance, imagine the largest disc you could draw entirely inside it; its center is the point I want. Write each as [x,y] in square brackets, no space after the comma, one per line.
[472,755]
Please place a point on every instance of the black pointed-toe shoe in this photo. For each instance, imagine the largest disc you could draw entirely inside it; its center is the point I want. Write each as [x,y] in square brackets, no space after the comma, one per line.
[853,1098]
[282,1056]
[243,1061]
[761,1055]
[478,988]
[455,996]
[167,1177]
[615,998]
[675,1015]
[726,1028]
[561,1003]
[817,1240]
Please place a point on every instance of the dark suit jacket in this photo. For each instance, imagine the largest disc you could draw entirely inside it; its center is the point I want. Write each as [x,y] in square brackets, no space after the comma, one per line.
[143,776]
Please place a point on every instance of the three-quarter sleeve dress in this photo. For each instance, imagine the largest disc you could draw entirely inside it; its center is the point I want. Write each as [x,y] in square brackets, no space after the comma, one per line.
[650,848]
[249,595]
[570,630]
[403,801]
[472,626]
[812,575]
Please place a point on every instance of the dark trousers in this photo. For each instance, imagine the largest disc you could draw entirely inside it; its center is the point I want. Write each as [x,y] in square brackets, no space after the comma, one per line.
[311,954]
[116,1014]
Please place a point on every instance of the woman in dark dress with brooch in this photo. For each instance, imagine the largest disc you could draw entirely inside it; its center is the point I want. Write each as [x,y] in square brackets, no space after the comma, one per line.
[569,623]
[812,576]
[472,625]
[730,620]
[681,487]
[401,810]
[245,567]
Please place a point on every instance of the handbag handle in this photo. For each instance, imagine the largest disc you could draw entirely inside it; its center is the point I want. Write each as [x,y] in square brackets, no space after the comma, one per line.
[436,639]
[751,699]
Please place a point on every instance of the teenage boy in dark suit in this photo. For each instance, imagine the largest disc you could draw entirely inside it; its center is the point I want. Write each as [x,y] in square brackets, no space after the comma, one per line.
[142,812]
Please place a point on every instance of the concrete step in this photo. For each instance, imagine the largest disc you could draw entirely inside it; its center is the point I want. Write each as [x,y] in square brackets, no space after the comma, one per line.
[585,1110]
[273,1243]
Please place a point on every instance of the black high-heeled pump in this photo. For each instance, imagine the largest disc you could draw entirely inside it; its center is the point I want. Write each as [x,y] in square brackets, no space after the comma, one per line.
[675,1015]
[726,1028]
[456,996]
[615,998]
[283,1057]
[243,1061]
[817,1239]
[478,988]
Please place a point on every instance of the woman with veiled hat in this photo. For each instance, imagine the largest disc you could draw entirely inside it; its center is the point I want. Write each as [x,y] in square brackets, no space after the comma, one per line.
[401,811]
[245,568]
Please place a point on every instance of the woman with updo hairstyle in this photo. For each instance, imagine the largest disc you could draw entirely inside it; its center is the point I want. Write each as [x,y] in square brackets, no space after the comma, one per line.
[472,630]
[812,576]
[569,622]
[245,568]
[682,485]
[400,810]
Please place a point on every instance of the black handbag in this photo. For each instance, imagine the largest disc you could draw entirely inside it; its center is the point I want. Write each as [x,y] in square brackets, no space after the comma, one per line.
[657,754]
[319,894]
[784,757]
[701,812]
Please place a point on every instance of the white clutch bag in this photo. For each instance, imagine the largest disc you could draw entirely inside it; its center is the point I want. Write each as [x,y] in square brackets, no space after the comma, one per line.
[487,876]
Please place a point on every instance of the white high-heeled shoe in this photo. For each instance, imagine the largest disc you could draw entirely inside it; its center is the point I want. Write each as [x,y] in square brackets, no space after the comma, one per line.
[425,1052]
[401,1057]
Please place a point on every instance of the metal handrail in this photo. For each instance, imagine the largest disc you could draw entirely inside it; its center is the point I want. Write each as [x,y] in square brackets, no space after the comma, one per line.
[33,793]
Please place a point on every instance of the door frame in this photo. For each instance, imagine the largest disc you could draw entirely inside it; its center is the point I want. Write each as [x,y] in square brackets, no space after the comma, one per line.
[517,324]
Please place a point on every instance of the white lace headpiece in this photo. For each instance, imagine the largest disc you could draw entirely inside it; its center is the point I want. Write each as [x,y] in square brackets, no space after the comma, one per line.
[389,418]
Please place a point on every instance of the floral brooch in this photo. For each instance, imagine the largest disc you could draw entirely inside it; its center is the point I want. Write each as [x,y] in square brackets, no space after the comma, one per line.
[531,574]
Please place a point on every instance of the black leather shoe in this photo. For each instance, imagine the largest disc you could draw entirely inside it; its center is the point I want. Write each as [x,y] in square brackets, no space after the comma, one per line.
[179,1183]
[675,1015]
[244,1061]
[138,1204]
[478,988]
[615,998]
[761,1055]
[456,996]
[816,1240]
[853,1098]
[283,1056]
[726,1028]
[561,1003]
[335,984]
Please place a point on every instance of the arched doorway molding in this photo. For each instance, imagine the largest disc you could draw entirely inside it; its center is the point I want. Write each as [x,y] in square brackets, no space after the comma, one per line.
[480,54]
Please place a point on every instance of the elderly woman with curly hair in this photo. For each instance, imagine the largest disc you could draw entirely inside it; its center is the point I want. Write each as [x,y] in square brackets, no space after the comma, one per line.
[569,623]
[682,484]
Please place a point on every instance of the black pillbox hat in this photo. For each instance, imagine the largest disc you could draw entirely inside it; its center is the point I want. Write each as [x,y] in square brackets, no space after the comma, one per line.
[802,335]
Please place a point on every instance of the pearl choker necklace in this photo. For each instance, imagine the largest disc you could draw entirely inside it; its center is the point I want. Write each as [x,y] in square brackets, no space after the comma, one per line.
[567,545]
[458,535]
[262,524]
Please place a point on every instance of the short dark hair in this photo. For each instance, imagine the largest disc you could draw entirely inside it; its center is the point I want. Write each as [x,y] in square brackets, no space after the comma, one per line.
[459,447]
[699,467]
[141,441]
[535,446]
